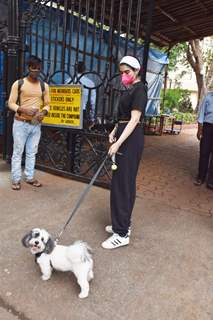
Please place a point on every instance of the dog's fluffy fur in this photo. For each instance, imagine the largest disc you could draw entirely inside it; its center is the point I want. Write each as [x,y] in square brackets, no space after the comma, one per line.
[76,257]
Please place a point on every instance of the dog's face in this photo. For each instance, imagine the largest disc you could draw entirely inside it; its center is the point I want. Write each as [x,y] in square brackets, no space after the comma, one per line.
[38,240]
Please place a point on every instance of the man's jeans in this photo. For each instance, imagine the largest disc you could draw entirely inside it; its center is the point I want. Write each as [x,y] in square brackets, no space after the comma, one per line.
[28,136]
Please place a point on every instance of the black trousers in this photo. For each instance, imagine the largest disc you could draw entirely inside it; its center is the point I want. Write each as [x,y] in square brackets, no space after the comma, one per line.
[206,151]
[123,186]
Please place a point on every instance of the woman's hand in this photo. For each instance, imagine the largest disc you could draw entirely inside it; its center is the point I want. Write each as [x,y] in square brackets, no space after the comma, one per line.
[112,137]
[113,149]
[112,134]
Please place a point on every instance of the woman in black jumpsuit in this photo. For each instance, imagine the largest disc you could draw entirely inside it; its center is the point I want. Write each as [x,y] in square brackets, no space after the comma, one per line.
[127,138]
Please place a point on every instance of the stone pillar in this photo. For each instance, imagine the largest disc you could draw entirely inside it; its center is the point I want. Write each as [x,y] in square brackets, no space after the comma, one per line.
[11,69]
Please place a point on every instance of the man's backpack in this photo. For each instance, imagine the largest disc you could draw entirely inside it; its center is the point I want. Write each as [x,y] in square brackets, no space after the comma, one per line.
[20,84]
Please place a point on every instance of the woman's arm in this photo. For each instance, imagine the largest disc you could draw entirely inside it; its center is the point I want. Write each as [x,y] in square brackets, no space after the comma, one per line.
[112,134]
[135,118]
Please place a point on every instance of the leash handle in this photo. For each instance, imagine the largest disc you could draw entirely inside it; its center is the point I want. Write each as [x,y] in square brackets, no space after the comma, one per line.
[81,198]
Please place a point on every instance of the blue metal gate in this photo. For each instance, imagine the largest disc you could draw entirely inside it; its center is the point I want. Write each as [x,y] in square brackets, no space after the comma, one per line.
[62,33]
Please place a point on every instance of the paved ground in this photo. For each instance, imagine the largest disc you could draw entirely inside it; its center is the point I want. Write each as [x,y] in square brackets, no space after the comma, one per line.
[164,274]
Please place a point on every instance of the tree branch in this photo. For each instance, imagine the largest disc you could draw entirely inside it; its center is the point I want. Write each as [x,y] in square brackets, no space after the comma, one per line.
[197,54]
[190,57]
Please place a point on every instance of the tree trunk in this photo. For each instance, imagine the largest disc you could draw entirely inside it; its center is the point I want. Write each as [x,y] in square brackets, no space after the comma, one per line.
[201,89]
[209,74]
[195,58]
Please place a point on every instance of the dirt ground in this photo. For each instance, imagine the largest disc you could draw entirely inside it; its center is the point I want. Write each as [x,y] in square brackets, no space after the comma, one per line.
[168,169]
[164,274]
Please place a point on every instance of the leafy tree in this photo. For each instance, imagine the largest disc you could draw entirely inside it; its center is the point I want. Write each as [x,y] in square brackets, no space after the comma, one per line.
[193,54]
[176,100]
[177,55]
[185,104]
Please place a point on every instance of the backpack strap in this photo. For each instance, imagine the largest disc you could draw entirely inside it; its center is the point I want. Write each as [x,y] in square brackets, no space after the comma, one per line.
[42,84]
[20,84]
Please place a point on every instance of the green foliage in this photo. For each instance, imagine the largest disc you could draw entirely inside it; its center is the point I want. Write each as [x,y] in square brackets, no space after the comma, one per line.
[186,117]
[171,100]
[177,55]
[176,100]
[185,104]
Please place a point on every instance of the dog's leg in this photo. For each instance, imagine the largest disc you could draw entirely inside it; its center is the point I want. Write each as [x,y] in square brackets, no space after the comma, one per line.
[46,277]
[90,275]
[46,271]
[84,284]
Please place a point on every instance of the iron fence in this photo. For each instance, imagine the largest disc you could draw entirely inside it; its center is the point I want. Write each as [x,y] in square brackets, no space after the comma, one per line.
[62,33]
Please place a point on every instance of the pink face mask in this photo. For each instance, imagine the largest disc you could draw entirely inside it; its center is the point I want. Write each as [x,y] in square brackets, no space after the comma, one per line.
[127,79]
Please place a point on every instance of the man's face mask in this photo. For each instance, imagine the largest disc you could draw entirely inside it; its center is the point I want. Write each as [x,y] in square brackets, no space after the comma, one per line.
[34,72]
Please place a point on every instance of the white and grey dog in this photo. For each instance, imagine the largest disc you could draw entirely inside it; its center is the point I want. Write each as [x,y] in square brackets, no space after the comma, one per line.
[76,257]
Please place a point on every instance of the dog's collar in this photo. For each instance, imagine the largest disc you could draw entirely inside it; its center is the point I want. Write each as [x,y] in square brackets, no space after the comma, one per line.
[37,255]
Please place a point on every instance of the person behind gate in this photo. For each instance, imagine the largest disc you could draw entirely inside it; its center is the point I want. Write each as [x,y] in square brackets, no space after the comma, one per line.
[127,137]
[26,97]
[88,94]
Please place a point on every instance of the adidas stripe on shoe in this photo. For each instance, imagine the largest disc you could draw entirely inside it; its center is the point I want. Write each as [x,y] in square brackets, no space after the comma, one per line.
[115,241]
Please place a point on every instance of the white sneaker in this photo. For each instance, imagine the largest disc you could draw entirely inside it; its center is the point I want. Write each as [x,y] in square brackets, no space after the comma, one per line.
[115,241]
[109,230]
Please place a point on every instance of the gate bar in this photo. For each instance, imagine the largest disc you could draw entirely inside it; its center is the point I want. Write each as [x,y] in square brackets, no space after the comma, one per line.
[64,32]
[137,25]
[93,35]
[147,38]
[128,27]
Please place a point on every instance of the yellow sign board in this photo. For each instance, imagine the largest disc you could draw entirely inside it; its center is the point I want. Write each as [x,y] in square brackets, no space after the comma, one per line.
[65,107]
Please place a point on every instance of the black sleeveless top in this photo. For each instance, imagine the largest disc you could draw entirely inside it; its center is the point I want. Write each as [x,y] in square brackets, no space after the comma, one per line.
[134,98]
